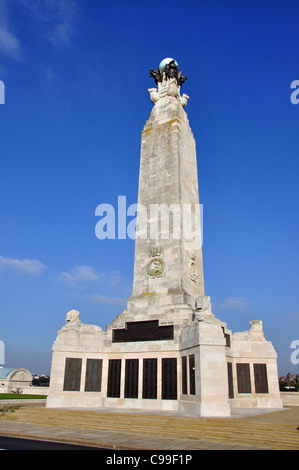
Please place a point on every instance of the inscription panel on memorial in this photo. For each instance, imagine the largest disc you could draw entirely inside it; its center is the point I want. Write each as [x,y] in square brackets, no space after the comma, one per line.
[260,378]
[93,378]
[243,378]
[184,376]
[149,386]
[192,374]
[72,374]
[131,378]
[114,371]
[169,378]
[142,331]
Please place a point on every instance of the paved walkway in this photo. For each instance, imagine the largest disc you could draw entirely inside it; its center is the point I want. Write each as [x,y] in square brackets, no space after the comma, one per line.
[244,430]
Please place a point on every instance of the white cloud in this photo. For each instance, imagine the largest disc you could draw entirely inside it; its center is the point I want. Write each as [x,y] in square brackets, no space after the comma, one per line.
[28,266]
[51,76]
[234,303]
[56,18]
[113,284]
[116,280]
[9,42]
[87,274]
[101,299]
[53,19]
[82,274]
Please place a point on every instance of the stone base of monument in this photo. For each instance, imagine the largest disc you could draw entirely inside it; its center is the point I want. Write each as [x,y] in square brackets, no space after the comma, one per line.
[195,367]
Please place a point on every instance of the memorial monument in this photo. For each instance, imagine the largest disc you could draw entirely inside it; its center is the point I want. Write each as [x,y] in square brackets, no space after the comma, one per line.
[166,350]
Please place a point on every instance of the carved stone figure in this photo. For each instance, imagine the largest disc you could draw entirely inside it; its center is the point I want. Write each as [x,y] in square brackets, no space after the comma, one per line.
[72,316]
[74,324]
[203,303]
[154,95]
[255,333]
[155,267]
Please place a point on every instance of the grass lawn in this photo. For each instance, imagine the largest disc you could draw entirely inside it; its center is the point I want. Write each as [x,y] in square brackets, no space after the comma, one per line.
[12,396]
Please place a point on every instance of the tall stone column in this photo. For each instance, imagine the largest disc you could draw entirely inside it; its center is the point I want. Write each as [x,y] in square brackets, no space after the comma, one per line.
[168,267]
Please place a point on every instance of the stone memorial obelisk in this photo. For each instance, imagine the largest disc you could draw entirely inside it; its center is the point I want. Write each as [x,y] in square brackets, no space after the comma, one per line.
[168,268]
[166,350]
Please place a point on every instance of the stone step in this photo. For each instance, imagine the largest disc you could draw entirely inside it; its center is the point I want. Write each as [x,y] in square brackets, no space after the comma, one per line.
[237,431]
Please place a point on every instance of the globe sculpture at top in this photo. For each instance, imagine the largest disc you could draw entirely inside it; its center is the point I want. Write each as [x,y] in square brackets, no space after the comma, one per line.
[165,62]
[169,81]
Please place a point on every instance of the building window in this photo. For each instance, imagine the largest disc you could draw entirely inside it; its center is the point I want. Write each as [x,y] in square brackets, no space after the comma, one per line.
[72,374]
[243,378]
[93,377]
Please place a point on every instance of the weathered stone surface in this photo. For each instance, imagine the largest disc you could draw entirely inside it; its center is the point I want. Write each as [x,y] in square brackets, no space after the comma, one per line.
[168,178]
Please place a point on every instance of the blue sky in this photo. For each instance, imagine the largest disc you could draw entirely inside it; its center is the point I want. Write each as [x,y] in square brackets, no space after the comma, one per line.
[76,76]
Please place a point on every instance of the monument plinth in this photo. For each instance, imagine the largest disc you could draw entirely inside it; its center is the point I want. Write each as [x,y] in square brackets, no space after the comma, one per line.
[166,350]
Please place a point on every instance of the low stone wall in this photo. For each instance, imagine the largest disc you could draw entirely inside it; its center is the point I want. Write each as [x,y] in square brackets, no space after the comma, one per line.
[33,390]
[26,390]
[290,398]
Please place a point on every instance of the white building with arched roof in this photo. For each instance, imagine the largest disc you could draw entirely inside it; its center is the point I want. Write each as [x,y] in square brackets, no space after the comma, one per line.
[14,380]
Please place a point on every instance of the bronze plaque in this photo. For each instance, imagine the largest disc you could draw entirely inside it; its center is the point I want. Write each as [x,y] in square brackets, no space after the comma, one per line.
[243,378]
[184,375]
[131,378]
[142,331]
[114,369]
[260,378]
[72,374]
[230,380]
[93,378]
[169,378]
[192,374]
[149,389]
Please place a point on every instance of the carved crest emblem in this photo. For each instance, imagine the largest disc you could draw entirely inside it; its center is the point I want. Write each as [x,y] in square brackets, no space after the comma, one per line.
[155,267]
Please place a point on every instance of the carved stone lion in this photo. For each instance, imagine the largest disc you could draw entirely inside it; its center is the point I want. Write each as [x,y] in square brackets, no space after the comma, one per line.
[255,333]
[203,303]
[72,316]
[73,325]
